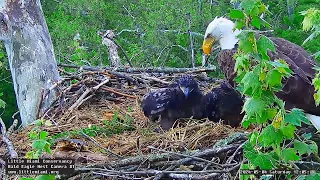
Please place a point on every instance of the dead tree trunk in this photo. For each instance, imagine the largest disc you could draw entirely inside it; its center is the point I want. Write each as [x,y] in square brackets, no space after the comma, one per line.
[107,40]
[25,35]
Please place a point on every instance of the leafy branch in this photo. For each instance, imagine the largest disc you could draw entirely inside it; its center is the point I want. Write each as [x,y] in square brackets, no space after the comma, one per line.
[259,78]
[311,21]
[40,144]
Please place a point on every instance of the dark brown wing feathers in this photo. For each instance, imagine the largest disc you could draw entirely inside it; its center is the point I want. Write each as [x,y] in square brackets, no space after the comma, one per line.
[297,54]
[297,90]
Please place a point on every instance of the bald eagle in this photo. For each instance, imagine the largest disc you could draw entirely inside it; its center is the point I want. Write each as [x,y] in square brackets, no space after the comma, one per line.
[297,90]
[224,102]
[181,99]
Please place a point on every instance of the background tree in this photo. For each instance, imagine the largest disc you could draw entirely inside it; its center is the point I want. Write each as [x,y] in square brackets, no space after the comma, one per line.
[30,54]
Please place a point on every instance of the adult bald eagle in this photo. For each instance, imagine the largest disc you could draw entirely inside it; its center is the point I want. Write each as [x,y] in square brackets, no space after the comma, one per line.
[224,102]
[297,90]
[181,99]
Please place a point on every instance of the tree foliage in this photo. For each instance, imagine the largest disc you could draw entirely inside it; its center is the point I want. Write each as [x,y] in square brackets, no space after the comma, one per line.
[258,79]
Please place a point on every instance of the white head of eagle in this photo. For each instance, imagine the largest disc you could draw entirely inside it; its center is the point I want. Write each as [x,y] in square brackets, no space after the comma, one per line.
[221,30]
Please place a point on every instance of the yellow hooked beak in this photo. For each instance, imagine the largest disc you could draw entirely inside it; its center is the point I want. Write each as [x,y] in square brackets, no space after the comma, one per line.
[207,45]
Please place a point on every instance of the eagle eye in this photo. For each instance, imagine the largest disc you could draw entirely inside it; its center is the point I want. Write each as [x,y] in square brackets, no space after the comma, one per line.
[208,36]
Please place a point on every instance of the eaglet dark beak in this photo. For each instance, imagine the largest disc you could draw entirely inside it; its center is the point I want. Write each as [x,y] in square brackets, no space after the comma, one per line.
[185,91]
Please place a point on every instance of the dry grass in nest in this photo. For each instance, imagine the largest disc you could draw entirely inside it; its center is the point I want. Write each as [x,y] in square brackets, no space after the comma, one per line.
[188,135]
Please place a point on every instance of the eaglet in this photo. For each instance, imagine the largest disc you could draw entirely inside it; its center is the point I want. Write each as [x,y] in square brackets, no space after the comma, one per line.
[225,103]
[181,99]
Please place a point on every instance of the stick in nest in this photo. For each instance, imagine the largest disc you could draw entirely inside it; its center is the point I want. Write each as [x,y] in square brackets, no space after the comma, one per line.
[139,70]
[40,103]
[183,155]
[118,93]
[6,140]
[97,144]
[235,152]
[90,90]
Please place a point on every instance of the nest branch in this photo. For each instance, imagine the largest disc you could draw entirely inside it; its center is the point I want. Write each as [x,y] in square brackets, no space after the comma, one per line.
[10,148]
[140,70]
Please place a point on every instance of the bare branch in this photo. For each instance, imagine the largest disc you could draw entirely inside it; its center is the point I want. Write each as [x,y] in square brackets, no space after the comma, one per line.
[139,70]
[97,144]
[191,40]
[6,140]
[179,154]
[83,96]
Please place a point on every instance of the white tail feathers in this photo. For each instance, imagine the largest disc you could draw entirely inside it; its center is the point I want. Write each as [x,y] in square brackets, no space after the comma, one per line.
[315,120]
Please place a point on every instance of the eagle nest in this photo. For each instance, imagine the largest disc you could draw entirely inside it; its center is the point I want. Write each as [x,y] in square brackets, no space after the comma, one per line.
[97,120]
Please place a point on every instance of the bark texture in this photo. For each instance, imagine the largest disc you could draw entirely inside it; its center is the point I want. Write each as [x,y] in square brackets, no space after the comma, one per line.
[25,35]
[107,40]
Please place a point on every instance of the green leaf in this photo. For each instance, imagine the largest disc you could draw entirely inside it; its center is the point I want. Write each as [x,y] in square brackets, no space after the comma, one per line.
[316,97]
[239,24]
[253,137]
[316,82]
[307,136]
[264,161]
[263,45]
[246,46]
[2,55]
[2,104]
[270,136]
[43,135]
[307,23]
[26,178]
[248,146]
[301,147]
[262,8]
[238,80]
[47,148]
[38,122]
[255,11]
[313,147]
[315,176]
[289,154]
[39,144]
[246,121]
[246,42]
[273,78]
[281,66]
[247,5]
[242,62]
[33,135]
[254,106]
[45,177]
[271,112]
[29,155]
[288,131]
[251,84]
[295,116]
[256,22]
[236,14]
[317,54]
